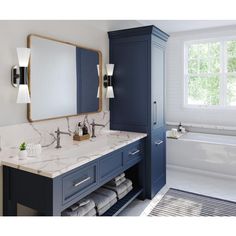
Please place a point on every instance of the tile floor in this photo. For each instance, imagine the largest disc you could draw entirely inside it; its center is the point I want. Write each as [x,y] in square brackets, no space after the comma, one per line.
[202,184]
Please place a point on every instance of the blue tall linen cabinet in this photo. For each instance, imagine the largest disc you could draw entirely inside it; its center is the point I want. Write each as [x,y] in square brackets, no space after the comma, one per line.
[139,89]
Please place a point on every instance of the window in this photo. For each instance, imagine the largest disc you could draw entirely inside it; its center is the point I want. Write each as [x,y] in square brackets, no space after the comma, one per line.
[210,73]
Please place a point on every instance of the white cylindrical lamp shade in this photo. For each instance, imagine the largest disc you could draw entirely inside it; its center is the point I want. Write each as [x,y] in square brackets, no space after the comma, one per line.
[23,94]
[110,92]
[23,56]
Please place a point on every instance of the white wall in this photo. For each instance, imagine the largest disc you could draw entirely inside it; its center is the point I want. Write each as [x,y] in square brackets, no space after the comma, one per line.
[175,112]
[13,35]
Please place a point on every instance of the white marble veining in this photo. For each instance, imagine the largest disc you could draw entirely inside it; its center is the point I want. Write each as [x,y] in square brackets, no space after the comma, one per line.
[54,162]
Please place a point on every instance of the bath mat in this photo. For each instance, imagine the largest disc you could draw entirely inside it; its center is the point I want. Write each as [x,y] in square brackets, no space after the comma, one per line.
[180,203]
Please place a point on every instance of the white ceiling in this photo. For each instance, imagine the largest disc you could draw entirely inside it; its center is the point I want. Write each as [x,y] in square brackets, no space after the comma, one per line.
[173,26]
[168,26]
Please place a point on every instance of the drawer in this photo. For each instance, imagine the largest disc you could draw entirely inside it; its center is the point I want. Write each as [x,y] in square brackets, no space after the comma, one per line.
[79,181]
[111,165]
[134,153]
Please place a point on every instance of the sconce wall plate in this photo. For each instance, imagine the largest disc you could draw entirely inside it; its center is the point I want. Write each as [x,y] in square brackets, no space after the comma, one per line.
[18,76]
[15,76]
[106,81]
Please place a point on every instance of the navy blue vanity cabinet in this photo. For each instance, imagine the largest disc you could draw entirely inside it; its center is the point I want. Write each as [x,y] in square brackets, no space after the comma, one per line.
[139,88]
[51,196]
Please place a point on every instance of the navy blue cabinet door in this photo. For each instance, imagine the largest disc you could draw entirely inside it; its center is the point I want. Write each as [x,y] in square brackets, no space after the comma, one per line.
[158,162]
[157,86]
[129,107]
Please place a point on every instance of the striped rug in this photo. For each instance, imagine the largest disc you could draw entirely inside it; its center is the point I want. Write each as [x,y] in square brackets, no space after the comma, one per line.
[180,203]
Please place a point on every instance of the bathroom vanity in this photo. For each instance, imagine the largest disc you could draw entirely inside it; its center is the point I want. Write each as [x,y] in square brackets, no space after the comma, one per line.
[61,177]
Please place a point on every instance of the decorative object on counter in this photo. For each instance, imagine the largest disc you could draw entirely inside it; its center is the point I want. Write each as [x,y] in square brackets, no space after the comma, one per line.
[34,150]
[173,133]
[19,75]
[81,138]
[180,127]
[23,151]
[107,81]
[84,128]
[79,131]
[93,124]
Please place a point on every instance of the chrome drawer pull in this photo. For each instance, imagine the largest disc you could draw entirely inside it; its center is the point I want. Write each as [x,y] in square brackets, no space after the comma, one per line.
[135,152]
[159,142]
[82,181]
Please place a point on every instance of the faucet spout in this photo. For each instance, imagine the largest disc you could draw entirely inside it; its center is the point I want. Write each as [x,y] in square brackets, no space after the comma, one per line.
[93,124]
[58,138]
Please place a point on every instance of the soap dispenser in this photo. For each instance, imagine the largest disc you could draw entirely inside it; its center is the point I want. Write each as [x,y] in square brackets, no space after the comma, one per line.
[79,130]
[180,127]
[84,129]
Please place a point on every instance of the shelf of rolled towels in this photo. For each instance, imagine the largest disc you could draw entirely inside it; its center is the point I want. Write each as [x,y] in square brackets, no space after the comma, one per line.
[99,201]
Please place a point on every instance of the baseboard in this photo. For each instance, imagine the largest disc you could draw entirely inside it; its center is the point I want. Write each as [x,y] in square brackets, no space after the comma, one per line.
[200,172]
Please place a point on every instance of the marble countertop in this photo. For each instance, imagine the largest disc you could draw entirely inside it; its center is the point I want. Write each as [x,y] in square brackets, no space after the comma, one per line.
[54,162]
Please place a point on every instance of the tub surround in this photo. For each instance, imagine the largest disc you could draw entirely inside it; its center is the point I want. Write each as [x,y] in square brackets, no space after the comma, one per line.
[208,154]
[54,162]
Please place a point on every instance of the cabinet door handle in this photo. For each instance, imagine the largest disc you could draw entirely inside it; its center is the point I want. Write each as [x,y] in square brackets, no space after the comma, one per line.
[82,181]
[154,112]
[158,142]
[135,152]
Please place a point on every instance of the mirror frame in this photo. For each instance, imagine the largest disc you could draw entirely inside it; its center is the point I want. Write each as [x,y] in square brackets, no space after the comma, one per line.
[29,45]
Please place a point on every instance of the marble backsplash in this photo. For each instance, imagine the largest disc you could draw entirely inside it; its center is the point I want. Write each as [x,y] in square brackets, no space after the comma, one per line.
[43,132]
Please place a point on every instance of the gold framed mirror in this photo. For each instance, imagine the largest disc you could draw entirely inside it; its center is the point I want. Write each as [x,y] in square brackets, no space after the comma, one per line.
[64,79]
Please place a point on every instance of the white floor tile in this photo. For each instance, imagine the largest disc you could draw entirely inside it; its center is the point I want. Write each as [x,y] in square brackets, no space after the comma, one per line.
[191,182]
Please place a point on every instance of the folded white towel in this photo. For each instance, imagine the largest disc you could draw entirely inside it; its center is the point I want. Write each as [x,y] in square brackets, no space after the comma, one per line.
[119,177]
[107,193]
[92,212]
[120,196]
[105,208]
[81,210]
[100,200]
[116,183]
[121,188]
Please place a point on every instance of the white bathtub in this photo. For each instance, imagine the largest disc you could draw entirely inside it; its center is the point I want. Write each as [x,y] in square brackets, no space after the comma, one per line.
[204,153]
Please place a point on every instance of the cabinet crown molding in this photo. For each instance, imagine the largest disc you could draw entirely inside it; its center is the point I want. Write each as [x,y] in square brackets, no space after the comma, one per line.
[145,30]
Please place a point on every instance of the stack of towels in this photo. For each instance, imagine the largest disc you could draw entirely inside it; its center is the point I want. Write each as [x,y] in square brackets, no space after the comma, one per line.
[120,185]
[104,199]
[84,207]
[99,201]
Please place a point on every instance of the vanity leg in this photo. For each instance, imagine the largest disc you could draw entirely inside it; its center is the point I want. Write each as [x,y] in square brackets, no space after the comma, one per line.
[142,179]
[9,205]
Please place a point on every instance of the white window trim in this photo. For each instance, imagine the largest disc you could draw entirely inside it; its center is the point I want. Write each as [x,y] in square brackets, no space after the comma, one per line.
[223,72]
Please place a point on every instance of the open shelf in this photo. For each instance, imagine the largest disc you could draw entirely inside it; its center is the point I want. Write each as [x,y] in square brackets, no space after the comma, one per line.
[124,202]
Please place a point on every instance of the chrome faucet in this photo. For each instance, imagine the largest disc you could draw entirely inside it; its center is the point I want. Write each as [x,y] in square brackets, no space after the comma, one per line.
[93,124]
[58,138]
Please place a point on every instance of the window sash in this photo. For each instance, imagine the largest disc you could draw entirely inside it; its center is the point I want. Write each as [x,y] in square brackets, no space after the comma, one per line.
[223,74]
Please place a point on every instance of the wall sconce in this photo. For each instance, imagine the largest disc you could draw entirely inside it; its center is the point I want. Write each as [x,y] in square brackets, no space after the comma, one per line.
[19,75]
[108,82]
